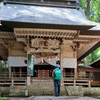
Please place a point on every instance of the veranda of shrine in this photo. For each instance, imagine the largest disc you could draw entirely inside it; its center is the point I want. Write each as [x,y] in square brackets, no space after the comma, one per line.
[48,42]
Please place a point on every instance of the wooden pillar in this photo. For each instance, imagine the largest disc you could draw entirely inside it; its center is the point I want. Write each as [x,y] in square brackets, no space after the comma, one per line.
[64,73]
[12,82]
[61,57]
[75,72]
[74,82]
[28,80]
[0,66]
[14,72]
[20,71]
[89,84]
[9,66]
[75,69]
[86,61]
[9,71]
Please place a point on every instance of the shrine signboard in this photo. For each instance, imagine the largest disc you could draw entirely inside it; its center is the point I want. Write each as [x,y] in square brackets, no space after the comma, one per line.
[42,43]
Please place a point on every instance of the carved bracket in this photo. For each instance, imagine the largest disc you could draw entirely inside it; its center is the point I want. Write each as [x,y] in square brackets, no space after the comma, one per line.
[75,46]
[8,45]
[27,42]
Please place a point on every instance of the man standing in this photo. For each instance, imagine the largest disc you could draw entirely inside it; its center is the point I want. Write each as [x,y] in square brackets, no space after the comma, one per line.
[57,76]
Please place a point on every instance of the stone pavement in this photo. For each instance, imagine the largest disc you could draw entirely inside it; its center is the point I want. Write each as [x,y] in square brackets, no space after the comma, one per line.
[54,98]
[62,98]
[17,98]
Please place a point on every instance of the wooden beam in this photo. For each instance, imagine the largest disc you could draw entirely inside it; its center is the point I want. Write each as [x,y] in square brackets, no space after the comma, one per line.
[85,48]
[90,33]
[7,35]
[50,33]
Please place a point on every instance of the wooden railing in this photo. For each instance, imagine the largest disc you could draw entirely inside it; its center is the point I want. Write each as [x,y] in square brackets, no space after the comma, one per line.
[78,75]
[77,79]
[11,75]
[7,79]
[95,83]
[72,79]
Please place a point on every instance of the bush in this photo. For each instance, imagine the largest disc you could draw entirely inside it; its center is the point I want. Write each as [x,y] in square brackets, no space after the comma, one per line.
[1,98]
[1,0]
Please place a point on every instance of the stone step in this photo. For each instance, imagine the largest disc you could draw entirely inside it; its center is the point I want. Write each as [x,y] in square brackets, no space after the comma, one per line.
[74,90]
[42,82]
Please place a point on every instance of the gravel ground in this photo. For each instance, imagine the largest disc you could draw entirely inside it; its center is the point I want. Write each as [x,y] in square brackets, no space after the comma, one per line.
[54,98]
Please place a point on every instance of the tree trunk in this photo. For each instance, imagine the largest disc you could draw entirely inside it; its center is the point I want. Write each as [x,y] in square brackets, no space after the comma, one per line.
[88,8]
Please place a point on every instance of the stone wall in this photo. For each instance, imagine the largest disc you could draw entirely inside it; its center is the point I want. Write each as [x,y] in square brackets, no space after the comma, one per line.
[37,91]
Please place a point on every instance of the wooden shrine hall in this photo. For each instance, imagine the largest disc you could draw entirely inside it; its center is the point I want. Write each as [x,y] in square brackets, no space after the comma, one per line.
[34,35]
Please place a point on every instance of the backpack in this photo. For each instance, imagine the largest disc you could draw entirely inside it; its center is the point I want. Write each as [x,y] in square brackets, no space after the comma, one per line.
[57,74]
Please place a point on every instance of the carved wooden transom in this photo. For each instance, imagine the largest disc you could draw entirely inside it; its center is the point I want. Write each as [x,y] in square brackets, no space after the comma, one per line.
[7,35]
[45,33]
[42,43]
[73,35]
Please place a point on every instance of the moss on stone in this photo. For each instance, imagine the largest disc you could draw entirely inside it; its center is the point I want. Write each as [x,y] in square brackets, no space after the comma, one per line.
[1,98]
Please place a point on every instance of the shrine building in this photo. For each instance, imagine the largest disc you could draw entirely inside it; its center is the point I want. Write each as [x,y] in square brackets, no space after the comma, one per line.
[35,34]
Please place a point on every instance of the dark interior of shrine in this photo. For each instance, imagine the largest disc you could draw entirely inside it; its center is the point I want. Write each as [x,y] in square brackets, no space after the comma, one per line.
[42,71]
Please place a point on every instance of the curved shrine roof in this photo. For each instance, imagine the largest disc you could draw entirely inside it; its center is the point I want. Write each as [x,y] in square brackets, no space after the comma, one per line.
[44,15]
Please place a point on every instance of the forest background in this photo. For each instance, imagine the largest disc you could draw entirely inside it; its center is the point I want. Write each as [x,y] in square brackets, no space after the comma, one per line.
[92,11]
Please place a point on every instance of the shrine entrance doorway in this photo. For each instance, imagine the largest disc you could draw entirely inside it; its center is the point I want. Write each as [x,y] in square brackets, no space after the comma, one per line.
[43,65]
[43,71]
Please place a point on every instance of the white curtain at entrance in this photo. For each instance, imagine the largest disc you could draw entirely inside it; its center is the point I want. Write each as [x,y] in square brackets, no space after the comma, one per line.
[17,61]
[51,61]
[37,61]
[69,63]
[20,61]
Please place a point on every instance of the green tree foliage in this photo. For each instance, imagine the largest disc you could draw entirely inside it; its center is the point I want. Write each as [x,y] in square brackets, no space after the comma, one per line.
[1,0]
[94,9]
[4,66]
[95,55]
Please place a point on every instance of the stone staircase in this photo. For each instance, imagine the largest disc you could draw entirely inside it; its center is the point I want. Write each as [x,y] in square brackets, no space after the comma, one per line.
[74,90]
[41,82]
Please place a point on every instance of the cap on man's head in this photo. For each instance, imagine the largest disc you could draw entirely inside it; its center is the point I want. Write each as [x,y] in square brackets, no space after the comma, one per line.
[57,66]
[58,62]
